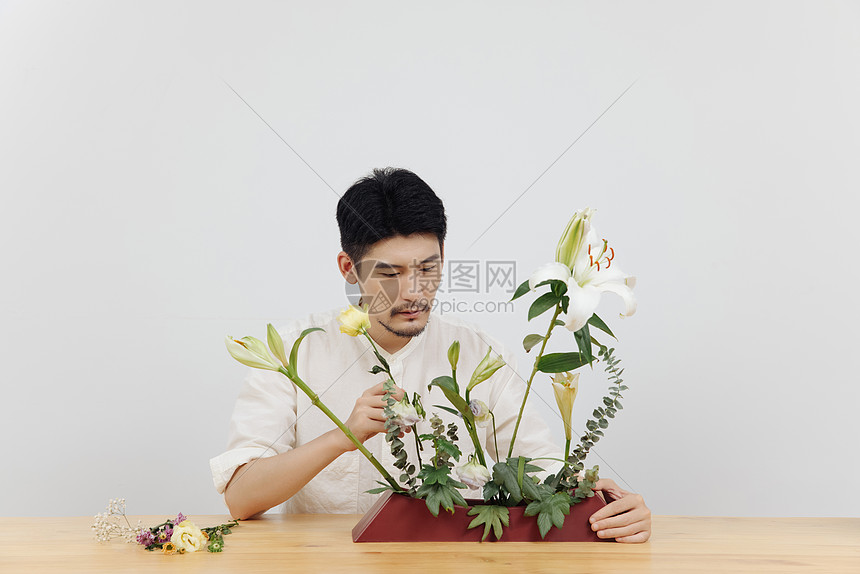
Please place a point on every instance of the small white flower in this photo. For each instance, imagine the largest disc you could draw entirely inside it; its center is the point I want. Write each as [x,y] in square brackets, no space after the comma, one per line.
[405,413]
[481,412]
[473,474]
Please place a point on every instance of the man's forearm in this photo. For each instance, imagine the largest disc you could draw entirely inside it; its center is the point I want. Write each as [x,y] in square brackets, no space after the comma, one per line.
[263,483]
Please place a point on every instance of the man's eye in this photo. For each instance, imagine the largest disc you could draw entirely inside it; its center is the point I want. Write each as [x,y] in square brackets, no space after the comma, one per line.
[388,274]
[428,269]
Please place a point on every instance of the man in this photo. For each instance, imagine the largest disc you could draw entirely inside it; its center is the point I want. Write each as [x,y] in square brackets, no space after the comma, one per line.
[283,450]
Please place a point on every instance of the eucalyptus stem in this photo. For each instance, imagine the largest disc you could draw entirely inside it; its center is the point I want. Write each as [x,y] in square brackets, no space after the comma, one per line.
[531,378]
[418,446]
[315,400]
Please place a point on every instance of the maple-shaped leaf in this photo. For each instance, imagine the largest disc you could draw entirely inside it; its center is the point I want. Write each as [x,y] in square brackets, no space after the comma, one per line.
[550,511]
[489,516]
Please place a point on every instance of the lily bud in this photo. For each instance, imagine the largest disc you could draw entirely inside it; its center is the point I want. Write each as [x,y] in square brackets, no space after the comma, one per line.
[354,321]
[252,352]
[276,344]
[565,386]
[486,368]
[573,238]
[454,354]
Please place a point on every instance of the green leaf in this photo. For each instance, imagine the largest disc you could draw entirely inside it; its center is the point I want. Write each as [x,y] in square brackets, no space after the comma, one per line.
[491,517]
[294,352]
[583,342]
[598,323]
[542,304]
[382,360]
[447,409]
[452,393]
[506,477]
[559,322]
[561,362]
[378,490]
[376,369]
[550,511]
[558,287]
[521,290]
[530,341]
[491,489]
[441,496]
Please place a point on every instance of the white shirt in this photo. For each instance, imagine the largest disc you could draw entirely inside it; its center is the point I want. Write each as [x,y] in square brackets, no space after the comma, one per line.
[272,416]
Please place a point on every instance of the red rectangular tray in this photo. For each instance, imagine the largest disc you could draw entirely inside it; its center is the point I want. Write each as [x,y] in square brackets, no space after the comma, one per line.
[400,518]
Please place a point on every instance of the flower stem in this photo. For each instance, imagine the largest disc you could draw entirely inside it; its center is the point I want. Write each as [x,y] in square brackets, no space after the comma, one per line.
[566,450]
[495,438]
[315,400]
[531,378]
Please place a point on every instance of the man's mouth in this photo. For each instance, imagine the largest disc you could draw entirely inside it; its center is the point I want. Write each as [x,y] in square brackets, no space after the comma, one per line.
[411,314]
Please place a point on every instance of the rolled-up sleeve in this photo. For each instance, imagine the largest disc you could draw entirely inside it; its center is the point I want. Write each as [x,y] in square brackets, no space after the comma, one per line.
[262,424]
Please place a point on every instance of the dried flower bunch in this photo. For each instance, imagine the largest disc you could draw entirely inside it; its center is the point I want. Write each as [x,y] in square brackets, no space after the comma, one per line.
[175,536]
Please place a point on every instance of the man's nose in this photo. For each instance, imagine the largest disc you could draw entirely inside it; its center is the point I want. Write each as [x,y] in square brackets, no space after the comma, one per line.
[408,289]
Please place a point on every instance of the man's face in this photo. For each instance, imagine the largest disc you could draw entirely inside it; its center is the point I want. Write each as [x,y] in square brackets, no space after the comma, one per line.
[398,278]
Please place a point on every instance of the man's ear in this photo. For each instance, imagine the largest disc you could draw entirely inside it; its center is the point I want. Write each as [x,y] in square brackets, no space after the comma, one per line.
[346,268]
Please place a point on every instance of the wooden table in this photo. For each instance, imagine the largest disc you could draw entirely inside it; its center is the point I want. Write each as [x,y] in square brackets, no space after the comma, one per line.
[320,544]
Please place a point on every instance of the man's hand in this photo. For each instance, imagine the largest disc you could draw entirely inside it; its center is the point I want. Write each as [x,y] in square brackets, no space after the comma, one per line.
[368,415]
[626,518]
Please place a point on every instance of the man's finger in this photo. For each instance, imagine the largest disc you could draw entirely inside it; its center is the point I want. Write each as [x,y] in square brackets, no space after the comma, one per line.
[624,532]
[616,507]
[639,537]
[631,516]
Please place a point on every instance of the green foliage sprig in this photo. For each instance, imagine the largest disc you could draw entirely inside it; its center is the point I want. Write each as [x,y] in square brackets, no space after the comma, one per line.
[438,487]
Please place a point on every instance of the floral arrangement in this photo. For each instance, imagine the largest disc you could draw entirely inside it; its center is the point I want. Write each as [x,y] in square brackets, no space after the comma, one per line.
[570,288]
[175,536]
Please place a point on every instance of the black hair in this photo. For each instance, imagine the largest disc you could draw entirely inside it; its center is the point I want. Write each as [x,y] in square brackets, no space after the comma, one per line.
[388,202]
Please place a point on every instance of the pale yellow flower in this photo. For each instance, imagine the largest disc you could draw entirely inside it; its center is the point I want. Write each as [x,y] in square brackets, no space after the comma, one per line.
[565,387]
[354,321]
[187,537]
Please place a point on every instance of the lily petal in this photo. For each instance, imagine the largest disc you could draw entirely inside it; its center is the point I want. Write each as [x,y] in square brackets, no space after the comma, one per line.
[583,303]
[623,290]
[554,270]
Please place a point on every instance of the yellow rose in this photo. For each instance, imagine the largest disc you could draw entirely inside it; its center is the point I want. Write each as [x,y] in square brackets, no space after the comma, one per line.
[187,537]
[354,321]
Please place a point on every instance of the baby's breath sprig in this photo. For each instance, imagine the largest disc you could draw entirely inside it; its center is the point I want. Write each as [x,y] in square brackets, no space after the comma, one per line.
[108,524]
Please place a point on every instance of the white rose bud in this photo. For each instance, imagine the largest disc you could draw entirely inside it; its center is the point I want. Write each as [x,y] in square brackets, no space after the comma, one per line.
[405,413]
[473,474]
[481,412]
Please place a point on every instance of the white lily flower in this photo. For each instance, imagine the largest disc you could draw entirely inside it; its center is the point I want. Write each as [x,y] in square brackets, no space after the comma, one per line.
[594,274]
[591,273]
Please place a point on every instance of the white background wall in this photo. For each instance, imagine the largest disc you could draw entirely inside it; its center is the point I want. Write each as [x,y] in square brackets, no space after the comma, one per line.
[147,212]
